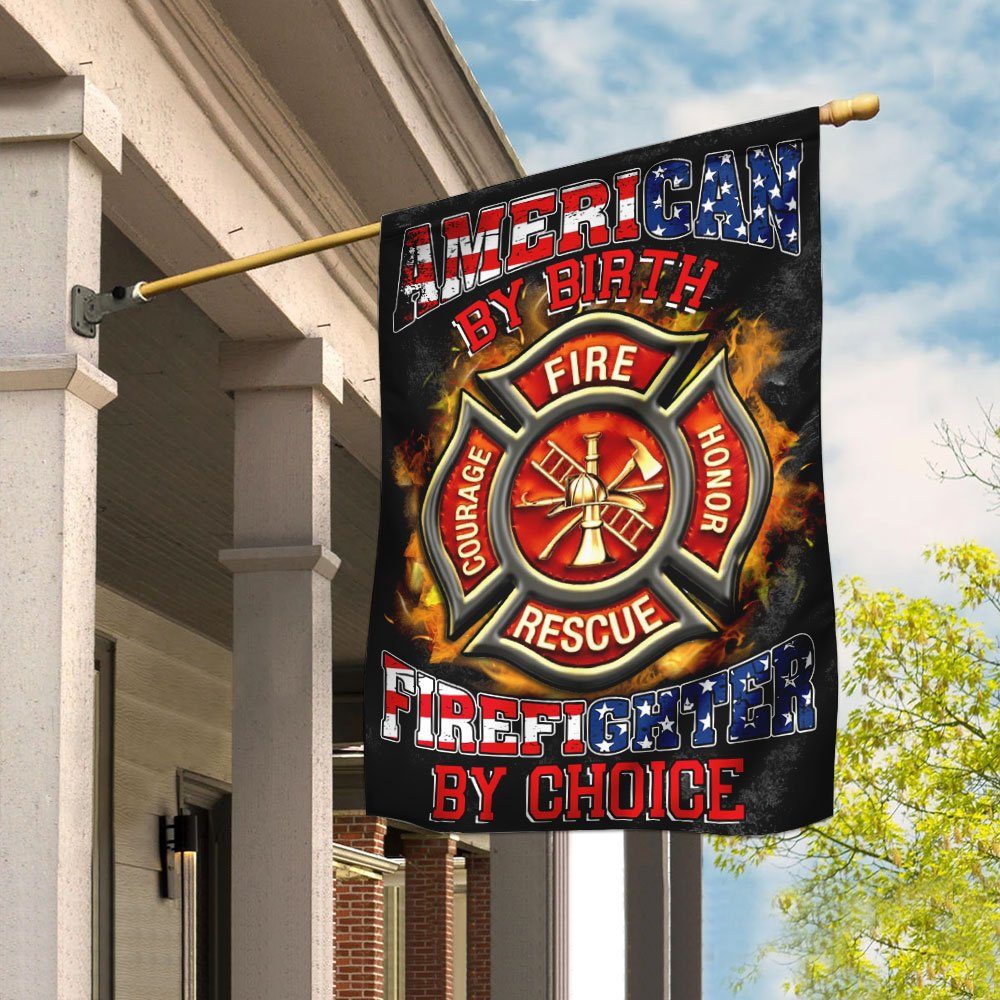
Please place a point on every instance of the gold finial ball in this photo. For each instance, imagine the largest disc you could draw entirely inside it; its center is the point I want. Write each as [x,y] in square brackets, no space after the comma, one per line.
[859,109]
[864,106]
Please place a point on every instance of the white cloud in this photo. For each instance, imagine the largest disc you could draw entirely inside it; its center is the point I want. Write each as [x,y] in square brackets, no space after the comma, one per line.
[886,384]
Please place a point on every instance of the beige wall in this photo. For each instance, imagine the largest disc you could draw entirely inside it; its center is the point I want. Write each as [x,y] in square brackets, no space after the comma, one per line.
[173,709]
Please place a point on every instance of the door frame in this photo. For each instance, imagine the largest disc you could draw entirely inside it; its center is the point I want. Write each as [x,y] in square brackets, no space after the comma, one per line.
[201,792]
[103,848]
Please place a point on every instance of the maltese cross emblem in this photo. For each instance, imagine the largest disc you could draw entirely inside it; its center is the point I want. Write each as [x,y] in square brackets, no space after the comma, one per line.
[602,515]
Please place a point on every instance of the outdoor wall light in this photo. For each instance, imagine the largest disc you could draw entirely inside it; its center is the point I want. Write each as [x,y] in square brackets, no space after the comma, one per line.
[178,838]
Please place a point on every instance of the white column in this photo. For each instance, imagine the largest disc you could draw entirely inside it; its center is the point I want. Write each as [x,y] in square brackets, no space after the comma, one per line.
[662,915]
[56,138]
[529,875]
[282,905]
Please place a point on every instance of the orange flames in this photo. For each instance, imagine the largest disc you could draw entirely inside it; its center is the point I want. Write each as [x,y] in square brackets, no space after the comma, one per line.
[793,512]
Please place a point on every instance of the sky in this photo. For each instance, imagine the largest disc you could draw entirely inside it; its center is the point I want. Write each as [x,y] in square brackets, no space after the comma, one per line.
[910,278]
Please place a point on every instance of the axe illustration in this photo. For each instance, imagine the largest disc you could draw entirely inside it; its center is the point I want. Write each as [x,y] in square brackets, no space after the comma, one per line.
[642,460]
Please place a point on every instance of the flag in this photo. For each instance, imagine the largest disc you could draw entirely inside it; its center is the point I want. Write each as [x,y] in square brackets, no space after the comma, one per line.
[602,595]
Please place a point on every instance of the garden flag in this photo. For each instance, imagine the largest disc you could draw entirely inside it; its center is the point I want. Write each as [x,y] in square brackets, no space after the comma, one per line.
[603,594]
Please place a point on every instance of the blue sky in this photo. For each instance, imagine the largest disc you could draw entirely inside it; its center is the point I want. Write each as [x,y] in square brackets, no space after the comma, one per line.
[910,275]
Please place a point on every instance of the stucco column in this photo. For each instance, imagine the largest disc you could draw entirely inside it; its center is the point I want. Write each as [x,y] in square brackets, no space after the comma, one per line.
[662,915]
[530,926]
[282,906]
[56,138]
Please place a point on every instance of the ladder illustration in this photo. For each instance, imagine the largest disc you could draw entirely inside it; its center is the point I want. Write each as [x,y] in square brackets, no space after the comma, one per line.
[626,525]
[557,466]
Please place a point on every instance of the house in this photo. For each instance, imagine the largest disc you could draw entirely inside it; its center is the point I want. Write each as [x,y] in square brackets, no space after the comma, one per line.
[188,507]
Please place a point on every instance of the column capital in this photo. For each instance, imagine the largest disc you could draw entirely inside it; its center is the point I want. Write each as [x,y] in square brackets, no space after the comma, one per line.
[282,364]
[266,559]
[67,107]
[71,372]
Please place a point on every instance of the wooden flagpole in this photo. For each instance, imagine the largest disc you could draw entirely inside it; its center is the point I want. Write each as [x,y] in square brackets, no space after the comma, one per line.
[150,289]
[89,308]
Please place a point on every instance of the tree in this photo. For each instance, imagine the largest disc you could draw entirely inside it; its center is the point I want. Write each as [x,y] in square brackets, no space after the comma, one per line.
[975,453]
[898,894]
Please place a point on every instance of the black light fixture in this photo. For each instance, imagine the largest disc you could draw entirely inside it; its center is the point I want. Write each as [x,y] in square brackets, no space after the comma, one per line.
[178,836]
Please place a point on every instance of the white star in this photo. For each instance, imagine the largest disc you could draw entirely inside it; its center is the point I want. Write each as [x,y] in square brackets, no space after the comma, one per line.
[791,204]
[788,718]
[646,744]
[668,725]
[807,699]
[604,746]
[741,230]
[758,212]
[658,231]
[675,212]
[790,174]
[758,153]
[688,706]
[709,175]
[727,158]
[645,708]
[751,723]
[659,172]
[809,660]
[707,686]
[604,710]
[789,682]
[658,203]
[775,192]
[708,204]
[793,236]
[761,241]
[758,181]
[729,219]
[726,187]
[744,682]
[706,721]
[622,727]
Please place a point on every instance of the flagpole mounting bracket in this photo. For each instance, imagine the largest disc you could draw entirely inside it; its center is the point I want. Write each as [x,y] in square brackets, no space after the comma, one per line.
[88,308]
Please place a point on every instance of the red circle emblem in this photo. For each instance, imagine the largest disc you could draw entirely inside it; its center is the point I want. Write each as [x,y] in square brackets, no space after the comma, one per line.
[590,496]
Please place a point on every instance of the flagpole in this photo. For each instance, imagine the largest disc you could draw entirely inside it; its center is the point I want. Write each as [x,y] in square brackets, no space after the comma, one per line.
[89,307]
[150,289]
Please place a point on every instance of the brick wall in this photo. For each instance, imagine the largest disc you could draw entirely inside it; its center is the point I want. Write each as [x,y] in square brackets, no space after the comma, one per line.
[359,912]
[430,917]
[477,894]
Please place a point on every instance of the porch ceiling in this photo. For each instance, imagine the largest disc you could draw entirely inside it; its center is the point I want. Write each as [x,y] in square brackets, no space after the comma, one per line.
[165,477]
[382,90]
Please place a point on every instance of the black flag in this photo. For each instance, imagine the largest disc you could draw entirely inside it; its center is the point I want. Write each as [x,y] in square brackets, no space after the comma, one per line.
[603,593]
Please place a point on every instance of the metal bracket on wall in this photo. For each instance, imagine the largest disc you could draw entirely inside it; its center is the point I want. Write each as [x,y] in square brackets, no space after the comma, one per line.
[88,308]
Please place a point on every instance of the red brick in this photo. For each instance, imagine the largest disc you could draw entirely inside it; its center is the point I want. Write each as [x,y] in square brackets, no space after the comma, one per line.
[430,917]
[359,906]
